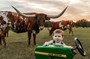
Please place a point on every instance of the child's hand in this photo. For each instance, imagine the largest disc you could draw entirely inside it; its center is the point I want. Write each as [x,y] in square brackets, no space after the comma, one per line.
[46,44]
[69,47]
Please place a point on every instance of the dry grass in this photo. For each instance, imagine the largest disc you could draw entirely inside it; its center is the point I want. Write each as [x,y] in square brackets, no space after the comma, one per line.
[17,44]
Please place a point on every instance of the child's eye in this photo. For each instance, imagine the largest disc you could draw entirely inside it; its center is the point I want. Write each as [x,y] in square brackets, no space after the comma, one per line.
[55,36]
[59,36]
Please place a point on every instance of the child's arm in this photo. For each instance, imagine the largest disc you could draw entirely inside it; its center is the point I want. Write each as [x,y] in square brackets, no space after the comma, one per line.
[47,43]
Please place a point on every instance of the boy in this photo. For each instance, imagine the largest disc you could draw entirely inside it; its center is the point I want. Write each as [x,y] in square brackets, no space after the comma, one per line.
[57,36]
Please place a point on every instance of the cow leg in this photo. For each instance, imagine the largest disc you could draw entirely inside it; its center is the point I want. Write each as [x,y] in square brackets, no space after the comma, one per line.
[70,30]
[4,41]
[0,41]
[34,39]
[29,37]
[7,33]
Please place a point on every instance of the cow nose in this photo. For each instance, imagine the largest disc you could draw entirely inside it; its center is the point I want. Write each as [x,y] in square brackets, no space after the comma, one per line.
[41,27]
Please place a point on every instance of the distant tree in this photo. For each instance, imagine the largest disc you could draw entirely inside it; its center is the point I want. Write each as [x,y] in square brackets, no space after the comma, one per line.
[88,24]
[81,23]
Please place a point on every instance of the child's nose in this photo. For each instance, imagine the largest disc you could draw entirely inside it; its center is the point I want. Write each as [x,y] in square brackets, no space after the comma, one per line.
[57,37]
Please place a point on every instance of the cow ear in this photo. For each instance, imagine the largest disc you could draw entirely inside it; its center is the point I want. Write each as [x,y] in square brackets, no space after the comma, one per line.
[47,18]
[36,17]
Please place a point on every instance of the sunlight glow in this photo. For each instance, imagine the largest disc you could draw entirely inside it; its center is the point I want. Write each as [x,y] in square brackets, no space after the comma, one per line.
[75,1]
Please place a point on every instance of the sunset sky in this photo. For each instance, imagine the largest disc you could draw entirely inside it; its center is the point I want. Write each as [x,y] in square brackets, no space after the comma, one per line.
[78,9]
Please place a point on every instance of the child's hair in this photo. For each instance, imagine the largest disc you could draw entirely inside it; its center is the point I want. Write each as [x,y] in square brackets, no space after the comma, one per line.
[59,31]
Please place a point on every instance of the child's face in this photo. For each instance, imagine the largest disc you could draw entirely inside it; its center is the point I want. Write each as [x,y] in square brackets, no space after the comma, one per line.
[57,37]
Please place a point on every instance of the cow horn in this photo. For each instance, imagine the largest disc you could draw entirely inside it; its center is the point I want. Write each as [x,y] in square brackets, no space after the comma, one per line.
[21,14]
[59,14]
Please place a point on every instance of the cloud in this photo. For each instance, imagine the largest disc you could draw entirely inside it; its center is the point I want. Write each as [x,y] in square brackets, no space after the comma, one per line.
[76,9]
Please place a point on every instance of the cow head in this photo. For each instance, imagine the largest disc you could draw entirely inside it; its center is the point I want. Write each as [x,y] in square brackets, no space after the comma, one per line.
[40,18]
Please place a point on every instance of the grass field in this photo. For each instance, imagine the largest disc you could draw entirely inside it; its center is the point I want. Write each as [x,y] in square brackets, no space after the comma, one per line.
[17,44]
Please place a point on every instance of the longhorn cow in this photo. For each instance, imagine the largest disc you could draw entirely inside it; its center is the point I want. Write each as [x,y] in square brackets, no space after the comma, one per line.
[4,27]
[32,23]
[64,25]
[3,31]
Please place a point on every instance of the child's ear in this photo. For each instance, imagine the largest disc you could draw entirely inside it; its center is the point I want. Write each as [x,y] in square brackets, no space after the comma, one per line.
[63,37]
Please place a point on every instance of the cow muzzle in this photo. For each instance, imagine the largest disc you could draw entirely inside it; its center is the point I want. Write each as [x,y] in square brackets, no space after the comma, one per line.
[41,27]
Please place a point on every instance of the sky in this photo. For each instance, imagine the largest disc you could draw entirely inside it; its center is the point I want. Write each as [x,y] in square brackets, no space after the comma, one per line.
[77,9]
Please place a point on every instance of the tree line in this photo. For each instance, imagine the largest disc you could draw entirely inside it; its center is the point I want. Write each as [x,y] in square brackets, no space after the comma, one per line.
[82,23]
